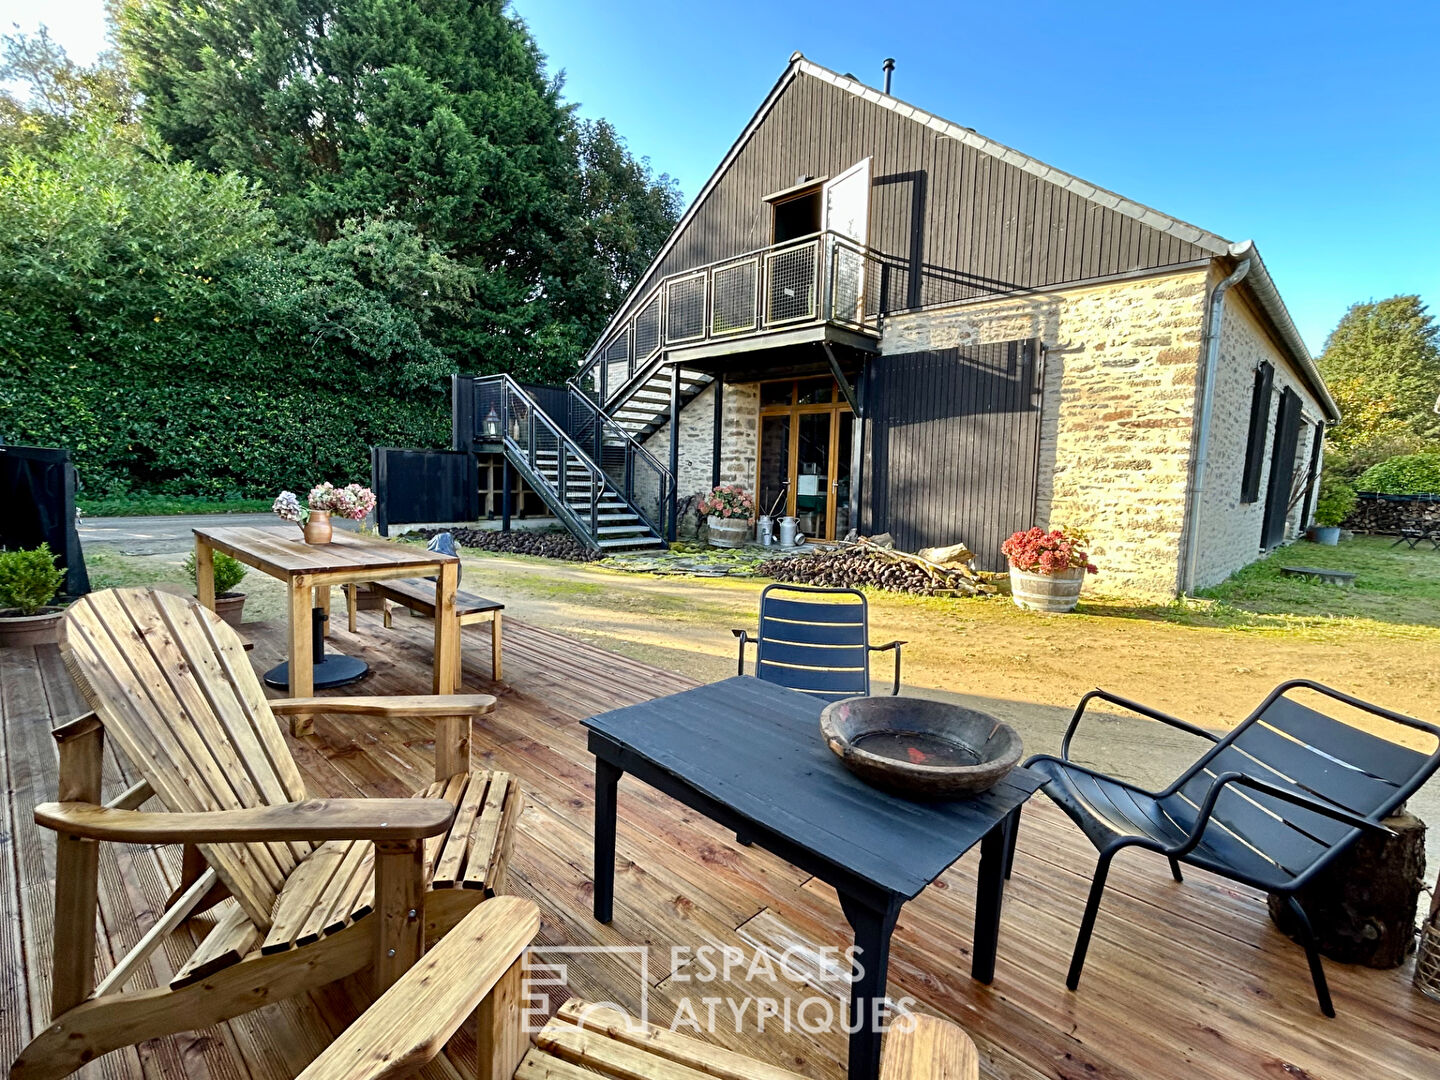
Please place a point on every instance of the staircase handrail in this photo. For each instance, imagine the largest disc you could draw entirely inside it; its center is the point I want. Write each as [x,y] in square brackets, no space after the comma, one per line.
[633,445]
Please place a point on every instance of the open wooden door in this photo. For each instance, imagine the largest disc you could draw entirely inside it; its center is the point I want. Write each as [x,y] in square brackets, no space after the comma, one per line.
[845,216]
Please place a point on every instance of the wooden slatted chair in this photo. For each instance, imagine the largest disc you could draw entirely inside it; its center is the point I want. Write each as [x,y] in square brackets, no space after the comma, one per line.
[171,686]
[478,970]
[816,641]
[1270,805]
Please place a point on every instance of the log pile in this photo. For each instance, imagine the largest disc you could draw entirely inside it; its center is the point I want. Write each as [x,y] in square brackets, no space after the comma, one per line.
[547,545]
[1392,514]
[865,563]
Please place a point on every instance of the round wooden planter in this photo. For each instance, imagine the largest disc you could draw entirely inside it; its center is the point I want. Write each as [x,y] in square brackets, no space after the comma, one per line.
[1056,593]
[229,606]
[25,630]
[728,532]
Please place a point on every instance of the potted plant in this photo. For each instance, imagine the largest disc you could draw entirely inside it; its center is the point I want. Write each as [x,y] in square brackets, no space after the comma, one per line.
[313,516]
[1336,502]
[729,512]
[1047,569]
[229,572]
[29,581]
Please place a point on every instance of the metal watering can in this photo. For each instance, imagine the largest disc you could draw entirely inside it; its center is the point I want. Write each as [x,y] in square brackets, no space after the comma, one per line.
[790,532]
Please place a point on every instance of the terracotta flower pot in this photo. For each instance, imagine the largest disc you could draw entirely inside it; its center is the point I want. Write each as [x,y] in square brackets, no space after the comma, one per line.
[230,607]
[1055,593]
[318,529]
[26,630]
[728,532]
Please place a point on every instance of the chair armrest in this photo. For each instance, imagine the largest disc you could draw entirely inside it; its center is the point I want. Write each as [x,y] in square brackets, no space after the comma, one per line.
[313,819]
[927,1048]
[411,1023]
[1132,706]
[423,705]
[1225,779]
[745,639]
[889,645]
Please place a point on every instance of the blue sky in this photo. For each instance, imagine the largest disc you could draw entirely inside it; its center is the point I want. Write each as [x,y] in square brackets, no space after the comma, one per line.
[1312,128]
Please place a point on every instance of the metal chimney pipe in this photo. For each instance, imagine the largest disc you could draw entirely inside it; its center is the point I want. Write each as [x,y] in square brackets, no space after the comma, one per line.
[889,67]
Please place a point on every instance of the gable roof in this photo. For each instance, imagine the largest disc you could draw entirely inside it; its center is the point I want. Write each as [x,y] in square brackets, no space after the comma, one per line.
[1262,287]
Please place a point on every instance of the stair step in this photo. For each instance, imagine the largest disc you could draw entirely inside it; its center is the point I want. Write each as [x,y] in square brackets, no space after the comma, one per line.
[619,530]
[631,541]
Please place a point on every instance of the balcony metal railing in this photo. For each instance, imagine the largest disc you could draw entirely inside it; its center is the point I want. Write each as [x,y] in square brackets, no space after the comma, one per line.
[823,278]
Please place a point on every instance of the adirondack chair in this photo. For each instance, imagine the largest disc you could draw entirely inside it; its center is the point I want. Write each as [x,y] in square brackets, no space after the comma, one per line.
[171,685]
[810,642]
[1269,805]
[477,970]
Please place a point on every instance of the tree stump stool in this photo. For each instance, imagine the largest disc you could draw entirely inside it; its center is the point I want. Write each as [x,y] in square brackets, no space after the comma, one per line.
[1363,905]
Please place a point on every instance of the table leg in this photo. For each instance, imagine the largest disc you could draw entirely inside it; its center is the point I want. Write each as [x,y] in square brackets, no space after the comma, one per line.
[873,928]
[302,654]
[607,782]
[205,574]
[990,891]
[322,601]
[447,630]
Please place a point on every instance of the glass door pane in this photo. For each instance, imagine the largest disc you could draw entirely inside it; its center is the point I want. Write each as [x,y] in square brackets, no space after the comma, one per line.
[774,464]
[841,485]
[812,469]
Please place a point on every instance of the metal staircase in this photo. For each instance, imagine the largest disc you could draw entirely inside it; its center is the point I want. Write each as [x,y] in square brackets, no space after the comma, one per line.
[605,488]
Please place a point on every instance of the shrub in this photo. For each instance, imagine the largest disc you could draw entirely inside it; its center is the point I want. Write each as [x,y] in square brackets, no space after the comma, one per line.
[1409,474]
[1337,499]
[228,572]
[728,501]
[29,580]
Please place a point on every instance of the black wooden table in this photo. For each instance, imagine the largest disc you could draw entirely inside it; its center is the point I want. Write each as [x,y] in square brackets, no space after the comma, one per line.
[748,755]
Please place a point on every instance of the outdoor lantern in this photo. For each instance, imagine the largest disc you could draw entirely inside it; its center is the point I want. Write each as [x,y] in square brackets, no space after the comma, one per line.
[492,424]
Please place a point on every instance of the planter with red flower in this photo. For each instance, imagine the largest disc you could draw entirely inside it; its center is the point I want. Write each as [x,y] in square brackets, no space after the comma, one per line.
[1047,569]
[729,512]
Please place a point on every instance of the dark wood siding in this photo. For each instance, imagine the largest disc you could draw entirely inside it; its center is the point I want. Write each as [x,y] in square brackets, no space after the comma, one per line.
[951,444]
[958,222]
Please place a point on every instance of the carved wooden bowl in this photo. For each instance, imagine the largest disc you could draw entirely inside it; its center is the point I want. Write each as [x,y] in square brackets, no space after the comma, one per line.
[920,749]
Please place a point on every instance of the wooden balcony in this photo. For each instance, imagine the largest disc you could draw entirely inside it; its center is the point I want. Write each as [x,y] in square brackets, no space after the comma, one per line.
[1183,980]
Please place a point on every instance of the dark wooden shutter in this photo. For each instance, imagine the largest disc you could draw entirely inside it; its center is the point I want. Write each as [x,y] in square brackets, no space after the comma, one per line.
[1259,428]
[1282,469]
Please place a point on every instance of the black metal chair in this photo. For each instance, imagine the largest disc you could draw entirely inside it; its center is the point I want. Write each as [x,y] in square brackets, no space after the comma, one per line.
[818,646]
[1269,805]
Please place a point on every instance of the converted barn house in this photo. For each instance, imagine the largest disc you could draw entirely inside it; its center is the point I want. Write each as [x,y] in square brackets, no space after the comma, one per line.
[889,323]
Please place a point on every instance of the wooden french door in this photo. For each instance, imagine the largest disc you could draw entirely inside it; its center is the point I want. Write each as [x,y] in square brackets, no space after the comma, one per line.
[803,457]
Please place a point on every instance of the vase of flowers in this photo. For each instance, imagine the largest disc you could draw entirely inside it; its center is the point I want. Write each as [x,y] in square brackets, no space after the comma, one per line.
[729,512]
[1047,569]
[313,516]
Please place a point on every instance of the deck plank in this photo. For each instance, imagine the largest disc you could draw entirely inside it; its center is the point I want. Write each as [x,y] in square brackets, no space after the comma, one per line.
[1182,979]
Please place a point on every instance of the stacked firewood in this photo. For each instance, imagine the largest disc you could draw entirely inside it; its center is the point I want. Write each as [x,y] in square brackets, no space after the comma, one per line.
[865,563]
[548,545]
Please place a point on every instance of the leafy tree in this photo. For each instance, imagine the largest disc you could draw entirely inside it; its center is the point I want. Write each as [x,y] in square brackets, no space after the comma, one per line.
[1383,364]
[1409,474]
[60,92]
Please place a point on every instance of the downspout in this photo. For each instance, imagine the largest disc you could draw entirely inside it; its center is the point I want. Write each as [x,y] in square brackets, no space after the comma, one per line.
[1207,407]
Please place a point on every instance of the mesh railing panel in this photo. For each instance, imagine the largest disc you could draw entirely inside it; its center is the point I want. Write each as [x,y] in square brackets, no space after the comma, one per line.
[617,361]
[685,309]
[647,330]
[847,285]
[733,306]
[791,274]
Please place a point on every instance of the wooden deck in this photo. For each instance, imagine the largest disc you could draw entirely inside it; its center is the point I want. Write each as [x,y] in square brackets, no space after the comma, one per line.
[1182,980]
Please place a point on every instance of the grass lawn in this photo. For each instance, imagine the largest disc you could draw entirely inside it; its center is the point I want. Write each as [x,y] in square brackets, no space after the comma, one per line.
[1393,584]
[153,505]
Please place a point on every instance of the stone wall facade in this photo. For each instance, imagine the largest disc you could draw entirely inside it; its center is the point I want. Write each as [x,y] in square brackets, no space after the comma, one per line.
[739,423]
[1229,529]
[1117,410]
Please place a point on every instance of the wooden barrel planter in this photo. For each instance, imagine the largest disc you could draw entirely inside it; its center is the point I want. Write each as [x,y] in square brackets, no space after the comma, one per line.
[1055,593]
[728,532]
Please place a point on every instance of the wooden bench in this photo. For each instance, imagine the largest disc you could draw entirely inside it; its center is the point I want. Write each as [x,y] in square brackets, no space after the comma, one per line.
[478,969]
[418,594]
[1329,577]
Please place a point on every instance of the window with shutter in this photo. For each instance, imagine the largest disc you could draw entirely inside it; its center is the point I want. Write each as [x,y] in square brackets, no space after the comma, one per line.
[1259,426]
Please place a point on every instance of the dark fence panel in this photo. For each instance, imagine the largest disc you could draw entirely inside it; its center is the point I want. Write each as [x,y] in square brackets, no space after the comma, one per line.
[423,485]
[37,492]
[952,446]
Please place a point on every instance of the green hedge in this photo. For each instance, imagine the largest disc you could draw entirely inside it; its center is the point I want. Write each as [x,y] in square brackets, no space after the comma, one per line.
[1408,474]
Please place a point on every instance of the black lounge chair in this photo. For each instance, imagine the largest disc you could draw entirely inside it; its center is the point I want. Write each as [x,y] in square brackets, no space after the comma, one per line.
[818,646]
[1269,805]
